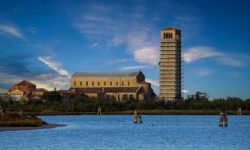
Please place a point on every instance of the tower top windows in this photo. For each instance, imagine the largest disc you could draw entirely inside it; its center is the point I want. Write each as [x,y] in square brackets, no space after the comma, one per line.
[167,35]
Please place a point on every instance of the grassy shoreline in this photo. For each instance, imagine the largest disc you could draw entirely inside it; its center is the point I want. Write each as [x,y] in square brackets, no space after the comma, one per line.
[16,120]
[144,112]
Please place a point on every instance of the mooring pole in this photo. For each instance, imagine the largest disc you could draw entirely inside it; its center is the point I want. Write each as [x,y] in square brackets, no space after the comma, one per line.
[99,110]
[223,121]
[239,111]
[135,116]
[1,111]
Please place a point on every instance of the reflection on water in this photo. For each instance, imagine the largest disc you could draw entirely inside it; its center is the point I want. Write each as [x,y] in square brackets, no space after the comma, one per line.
[119,132]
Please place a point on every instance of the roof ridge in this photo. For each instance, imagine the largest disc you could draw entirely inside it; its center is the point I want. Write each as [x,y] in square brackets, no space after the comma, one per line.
[106,73]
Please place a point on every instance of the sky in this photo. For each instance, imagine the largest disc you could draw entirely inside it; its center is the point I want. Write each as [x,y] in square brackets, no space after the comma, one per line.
[46,41]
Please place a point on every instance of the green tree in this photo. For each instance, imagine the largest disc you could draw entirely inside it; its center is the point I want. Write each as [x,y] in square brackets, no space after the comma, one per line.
[51,96]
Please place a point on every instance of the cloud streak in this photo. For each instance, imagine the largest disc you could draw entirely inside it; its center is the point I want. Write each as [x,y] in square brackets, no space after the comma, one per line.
[198,53]
[56,66]
[11,30]
[15,68]
[134,67]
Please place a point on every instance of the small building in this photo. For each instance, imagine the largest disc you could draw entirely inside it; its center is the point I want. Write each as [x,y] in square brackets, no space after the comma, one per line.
[3,92]
[38,93]
[22,89]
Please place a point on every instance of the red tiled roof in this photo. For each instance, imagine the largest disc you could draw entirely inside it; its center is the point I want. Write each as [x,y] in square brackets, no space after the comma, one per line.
[24,82]
[66,92]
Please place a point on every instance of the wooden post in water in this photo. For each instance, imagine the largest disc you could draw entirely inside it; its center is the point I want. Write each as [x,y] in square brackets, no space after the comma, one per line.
[99,110]
[239,111]
[20,112]
[1,111]
[223,121]
[139,118]
[135,117]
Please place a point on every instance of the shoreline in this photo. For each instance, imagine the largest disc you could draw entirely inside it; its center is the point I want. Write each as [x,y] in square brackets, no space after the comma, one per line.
[48,126]
[143,112]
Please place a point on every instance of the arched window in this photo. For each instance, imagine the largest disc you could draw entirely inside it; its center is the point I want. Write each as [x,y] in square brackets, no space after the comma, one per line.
[93,83]
[87,83]
[116,83]
[104,83]
[80,83]
[110,83]
[98,83]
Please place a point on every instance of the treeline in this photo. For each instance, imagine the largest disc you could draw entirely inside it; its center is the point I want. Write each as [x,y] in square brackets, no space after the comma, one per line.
[53,101]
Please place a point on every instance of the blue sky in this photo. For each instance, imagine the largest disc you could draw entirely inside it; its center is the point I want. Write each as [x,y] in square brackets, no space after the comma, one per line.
[47,41]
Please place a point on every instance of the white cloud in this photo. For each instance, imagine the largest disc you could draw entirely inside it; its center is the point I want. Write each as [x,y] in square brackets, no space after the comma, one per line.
[54,65]
[184,91]
[153,82]
[232,61]
[142,48]
[94,45]
[11,30]
[97,24]
[51,83]
[134,67]
[196,53]
[147,55]
[203,52]
[203,72]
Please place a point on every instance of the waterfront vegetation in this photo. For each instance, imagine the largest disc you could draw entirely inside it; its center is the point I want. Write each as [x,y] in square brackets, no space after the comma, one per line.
[53,103]
[17,120]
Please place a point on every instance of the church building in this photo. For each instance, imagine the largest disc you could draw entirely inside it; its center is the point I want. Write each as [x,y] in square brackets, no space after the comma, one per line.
[119,85]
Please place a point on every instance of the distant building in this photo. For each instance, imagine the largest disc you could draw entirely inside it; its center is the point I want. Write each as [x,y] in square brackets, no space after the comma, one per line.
[170,64]
[3,91]
[22,89]
[119,85]
[38,93]
[25,90]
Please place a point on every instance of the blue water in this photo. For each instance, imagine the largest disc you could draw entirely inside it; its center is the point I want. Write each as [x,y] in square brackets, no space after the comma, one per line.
[118,132]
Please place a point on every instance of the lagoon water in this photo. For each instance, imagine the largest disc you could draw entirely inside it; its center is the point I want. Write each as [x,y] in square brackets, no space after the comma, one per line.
[118,132]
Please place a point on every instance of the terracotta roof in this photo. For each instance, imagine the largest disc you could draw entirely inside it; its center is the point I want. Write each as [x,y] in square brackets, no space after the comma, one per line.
[66,92]
[105,74]
[24,82]
[107,90]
